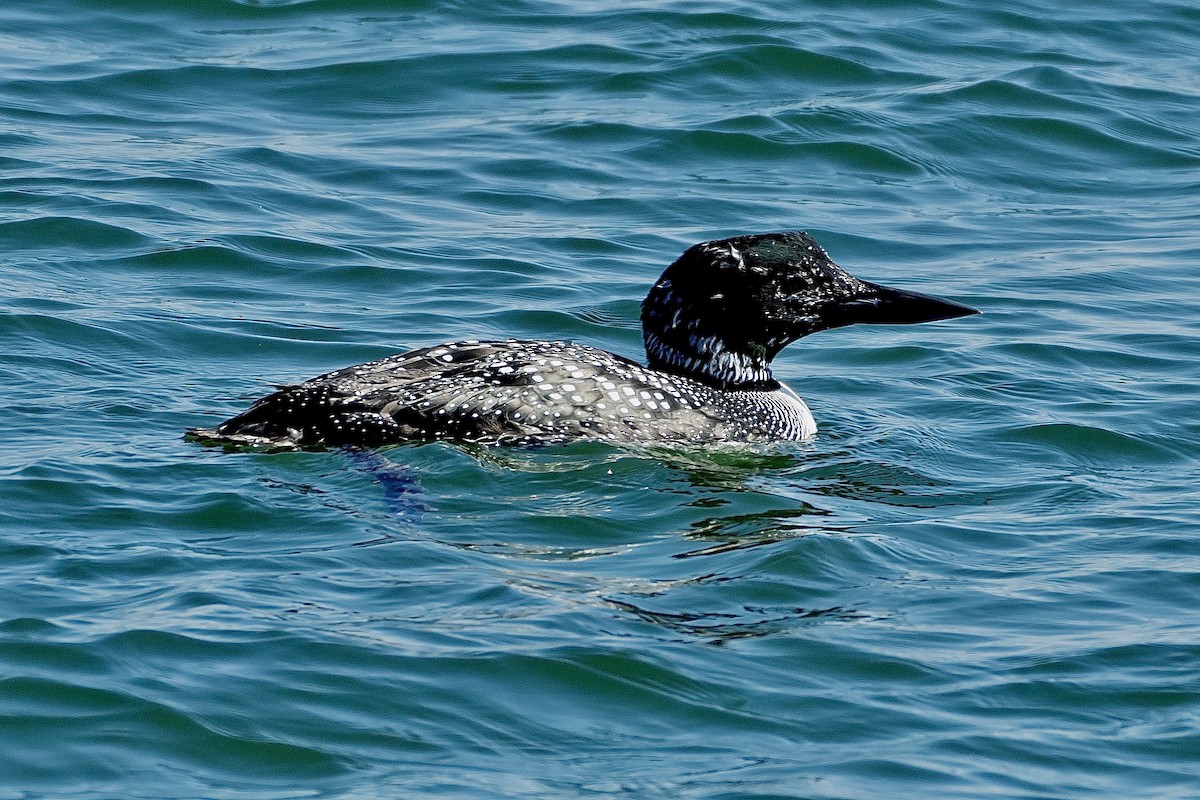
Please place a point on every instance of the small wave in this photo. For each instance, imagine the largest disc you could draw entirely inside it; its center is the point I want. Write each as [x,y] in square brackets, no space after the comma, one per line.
[1091,444]
[62,235]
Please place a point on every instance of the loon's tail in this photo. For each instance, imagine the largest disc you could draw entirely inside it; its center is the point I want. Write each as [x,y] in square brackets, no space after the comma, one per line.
[250,441]
[263,426]
[304,417]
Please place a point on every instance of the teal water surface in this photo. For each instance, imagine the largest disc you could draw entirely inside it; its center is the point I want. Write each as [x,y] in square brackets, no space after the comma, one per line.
[981,579]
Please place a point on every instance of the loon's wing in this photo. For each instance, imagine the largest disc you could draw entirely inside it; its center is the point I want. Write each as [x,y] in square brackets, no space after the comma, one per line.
[518,392]
[510,391]
[502,392]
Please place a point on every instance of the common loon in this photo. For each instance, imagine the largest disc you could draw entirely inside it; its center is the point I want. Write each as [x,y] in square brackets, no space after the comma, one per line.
[711,326]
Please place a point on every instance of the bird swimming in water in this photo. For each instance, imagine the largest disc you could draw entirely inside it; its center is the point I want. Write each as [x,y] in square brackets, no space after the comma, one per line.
[711,325]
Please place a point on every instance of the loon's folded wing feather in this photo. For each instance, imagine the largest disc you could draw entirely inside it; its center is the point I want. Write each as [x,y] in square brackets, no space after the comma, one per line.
[522,391]
[504,392]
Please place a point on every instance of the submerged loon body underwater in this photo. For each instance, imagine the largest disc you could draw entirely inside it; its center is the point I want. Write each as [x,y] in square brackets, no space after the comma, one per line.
[978,580]
[711,326]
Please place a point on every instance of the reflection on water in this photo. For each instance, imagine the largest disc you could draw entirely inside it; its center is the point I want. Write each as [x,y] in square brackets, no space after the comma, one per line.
[721,627]
[739,531]
[594,529]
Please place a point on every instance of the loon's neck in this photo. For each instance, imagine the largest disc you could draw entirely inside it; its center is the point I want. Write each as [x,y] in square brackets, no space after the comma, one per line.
[708,360]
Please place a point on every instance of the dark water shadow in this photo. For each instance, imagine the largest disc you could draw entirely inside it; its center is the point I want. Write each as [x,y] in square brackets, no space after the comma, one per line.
[719,628]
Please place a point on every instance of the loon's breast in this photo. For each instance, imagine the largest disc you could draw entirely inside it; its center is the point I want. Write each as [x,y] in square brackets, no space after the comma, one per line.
[512,392]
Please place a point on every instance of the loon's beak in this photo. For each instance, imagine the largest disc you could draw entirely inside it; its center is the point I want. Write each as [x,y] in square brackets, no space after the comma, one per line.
[884,306]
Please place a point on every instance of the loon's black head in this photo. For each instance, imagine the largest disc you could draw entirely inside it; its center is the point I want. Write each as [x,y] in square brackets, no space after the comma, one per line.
[725,308]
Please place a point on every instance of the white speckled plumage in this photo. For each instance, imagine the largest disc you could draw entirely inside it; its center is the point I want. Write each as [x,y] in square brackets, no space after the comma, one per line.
[712,324]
